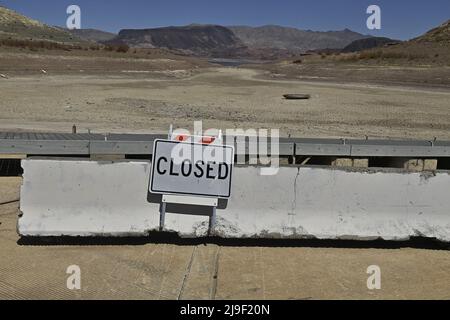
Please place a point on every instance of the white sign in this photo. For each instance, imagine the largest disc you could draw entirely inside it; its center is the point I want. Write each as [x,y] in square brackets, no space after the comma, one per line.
[191,169]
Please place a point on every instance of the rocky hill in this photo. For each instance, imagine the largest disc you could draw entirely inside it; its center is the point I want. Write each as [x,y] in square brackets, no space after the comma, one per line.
[431,48]
[369,43]
[16,26]
[192,39]
[439,34]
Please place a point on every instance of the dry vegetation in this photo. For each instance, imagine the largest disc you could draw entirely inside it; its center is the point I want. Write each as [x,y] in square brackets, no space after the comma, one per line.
[380,54]
[400,54]
[35,45]
[25,57]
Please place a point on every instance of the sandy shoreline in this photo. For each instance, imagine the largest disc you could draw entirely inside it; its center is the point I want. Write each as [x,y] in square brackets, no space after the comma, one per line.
[222,98]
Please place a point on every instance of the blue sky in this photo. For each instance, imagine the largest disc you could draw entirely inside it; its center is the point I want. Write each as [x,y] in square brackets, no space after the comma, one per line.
[401,19]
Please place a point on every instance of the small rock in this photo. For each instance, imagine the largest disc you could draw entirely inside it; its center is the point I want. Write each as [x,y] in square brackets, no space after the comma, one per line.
[44,71]
[4,76]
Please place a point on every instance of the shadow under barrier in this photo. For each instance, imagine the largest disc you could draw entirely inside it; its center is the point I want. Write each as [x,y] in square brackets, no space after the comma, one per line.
[175,239]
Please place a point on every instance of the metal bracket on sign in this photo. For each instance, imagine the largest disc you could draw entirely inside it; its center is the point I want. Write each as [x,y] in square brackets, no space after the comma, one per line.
[189,200]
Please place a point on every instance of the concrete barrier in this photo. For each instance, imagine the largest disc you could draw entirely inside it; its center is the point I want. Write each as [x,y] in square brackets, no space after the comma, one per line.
[88,198]
[85,198]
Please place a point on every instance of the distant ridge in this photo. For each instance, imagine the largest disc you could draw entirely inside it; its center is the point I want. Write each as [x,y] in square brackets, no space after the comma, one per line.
[193,39]
[369,43]
[214,40]
[287,38]
[93,35]
[265,42]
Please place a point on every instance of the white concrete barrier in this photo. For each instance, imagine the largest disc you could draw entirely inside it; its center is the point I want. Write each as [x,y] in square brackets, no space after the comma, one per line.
[88,198]
[62,197]
[335,203]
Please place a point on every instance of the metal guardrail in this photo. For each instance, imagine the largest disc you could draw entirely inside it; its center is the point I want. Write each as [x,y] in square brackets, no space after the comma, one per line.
[76,144]
[142,144]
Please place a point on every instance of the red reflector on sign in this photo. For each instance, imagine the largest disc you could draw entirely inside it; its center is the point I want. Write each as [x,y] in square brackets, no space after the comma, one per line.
[208,140]
[182,138]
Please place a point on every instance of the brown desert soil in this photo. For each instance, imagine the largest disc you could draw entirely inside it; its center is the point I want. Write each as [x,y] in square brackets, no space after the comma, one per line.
[123,94]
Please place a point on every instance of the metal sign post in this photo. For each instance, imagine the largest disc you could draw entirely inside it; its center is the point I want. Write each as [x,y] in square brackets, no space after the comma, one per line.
[197,201]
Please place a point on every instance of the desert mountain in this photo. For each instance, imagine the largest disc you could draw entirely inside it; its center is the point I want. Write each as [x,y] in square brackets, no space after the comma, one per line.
[17,26]
[266,42]
[194,39]
[93,35]
[369,43]
[277,37]
[213,40]
[440,34]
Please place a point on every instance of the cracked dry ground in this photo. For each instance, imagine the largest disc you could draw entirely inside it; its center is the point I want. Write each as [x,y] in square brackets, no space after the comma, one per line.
[188,270]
